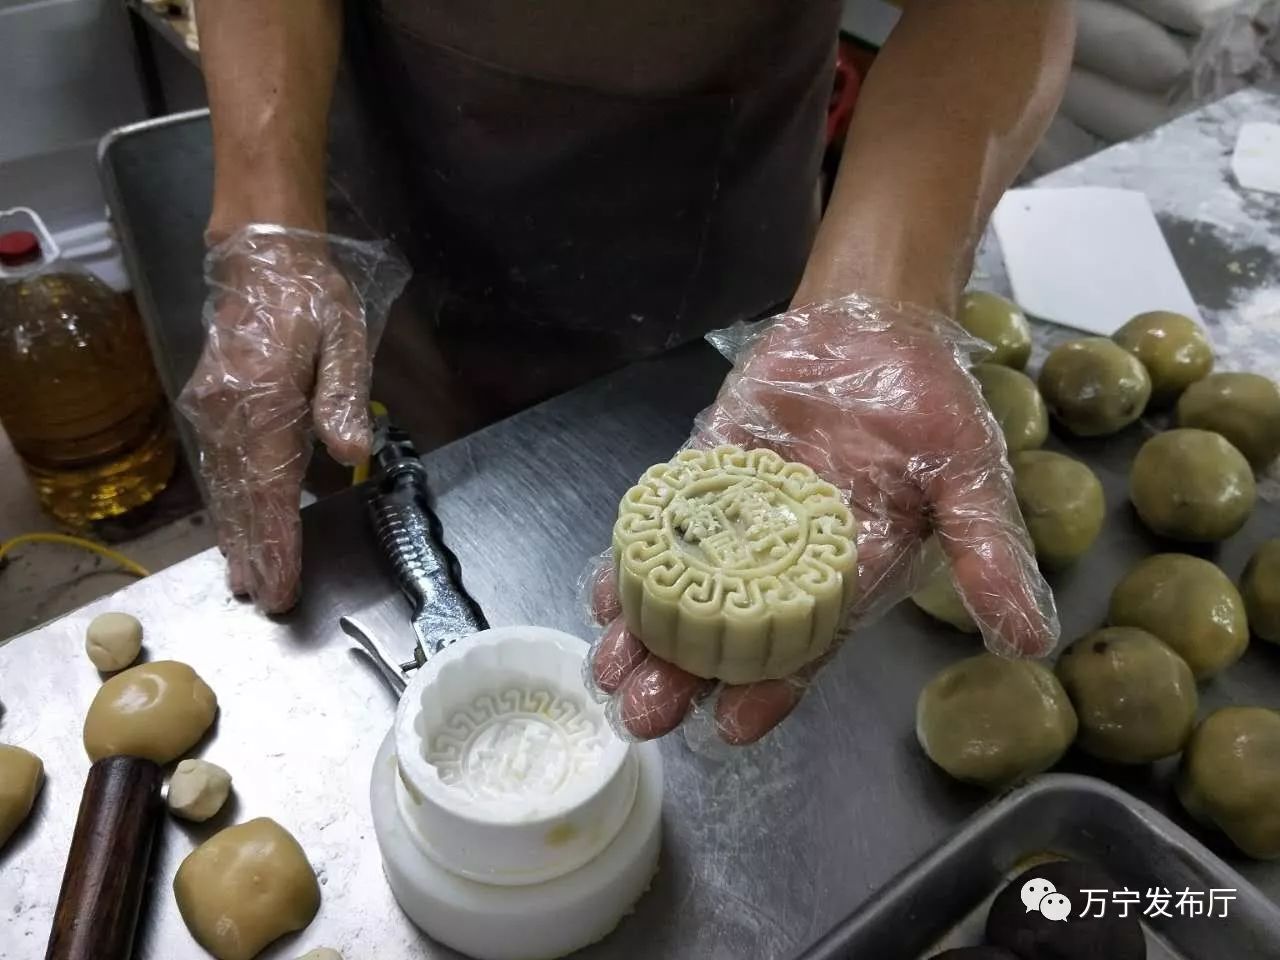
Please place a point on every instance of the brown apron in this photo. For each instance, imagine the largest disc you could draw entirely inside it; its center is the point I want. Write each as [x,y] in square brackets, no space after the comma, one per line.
[578,184]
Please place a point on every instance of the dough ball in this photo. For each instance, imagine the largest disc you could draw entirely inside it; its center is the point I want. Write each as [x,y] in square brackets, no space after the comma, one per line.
[1093,387]
[1017,405]
[1230,777]
[994,722]
[1033,936]
[154,710]
[1061,502]
[1191,485]
[939,599]
[113,641]
[1172,347]
[21,775]
[1243,407]
[198,789]
[1260,587]
[977,953]
[244,887]
[999,322]
[1189,604]
[1135,698]
[321,953]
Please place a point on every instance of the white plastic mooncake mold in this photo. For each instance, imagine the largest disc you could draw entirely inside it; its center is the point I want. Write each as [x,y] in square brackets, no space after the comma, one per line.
[734,564]
[513,822]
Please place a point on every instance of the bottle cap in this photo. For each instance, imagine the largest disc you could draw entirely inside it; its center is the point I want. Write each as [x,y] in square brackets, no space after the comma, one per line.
[19,247]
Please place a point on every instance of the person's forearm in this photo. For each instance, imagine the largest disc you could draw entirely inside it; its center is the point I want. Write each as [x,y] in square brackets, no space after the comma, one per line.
[951,110]
[269,70]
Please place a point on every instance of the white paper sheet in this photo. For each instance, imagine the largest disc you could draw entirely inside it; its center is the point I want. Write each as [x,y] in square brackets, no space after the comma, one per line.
[1088,257]
[1256,160]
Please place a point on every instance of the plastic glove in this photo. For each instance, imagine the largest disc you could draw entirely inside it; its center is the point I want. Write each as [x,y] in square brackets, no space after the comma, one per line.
[287,349]
[877,398]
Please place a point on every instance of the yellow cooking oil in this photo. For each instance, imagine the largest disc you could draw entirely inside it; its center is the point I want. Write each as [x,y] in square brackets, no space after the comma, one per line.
[79,396]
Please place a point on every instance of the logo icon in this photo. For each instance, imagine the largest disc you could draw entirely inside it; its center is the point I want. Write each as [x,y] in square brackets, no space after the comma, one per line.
[1043,897]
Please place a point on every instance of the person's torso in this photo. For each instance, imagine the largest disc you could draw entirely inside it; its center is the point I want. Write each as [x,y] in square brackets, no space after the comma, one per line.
[582,184]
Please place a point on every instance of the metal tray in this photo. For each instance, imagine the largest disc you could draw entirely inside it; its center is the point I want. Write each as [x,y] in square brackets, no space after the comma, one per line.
[942,901]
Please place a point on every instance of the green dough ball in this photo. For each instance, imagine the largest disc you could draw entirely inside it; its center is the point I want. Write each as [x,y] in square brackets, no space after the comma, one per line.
[1062,504]
[938,598]
[1000,323]
[1243,407]
[1230,777]
[1192,485]
[1094,387]
[1260,587]
[994,722]
[1017,405]
[1189,604]
[1172,347]
[1135,698]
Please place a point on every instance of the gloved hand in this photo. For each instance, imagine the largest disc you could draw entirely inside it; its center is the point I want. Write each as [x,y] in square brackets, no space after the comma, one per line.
[287,349]
[877,398]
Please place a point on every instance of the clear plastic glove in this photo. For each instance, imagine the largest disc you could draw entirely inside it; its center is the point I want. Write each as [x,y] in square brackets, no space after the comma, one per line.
[289,318]
[877,398]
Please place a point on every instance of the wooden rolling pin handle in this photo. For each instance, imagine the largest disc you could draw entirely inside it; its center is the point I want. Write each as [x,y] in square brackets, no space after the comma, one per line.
[107,867]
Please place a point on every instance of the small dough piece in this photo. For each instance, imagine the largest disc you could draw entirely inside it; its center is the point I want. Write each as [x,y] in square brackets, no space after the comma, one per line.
[1230,777]
[1017,405]
[1094,387]
[1243,407]
[21,775]
[1062,505]
[198,789]
[1260,587]
[155,710]
[1192,485]
[1172,347]
[321,953]
[999,322]
[1189,604]
[1135,698]
[994,722]
[734,564]
[244,887]
[113,641]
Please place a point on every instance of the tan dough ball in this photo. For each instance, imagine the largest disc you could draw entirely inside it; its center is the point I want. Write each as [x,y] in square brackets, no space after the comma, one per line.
[154,710]
[198,789]
[1062,505]
[1172,347]
[1260,587]
[1189,604]
[1192,485]
[1016,404]
[21,775]
[1093,387]
[244,887]
[113,641]
[994,722]
[999,322]
[1230,777]
[321,953]
[1135,698]
[1243,407]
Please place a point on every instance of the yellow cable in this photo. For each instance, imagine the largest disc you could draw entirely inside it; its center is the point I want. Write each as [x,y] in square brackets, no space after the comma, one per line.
[115,557]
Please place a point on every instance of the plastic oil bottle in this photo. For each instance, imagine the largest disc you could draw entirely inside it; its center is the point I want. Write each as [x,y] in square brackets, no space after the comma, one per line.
[79,397]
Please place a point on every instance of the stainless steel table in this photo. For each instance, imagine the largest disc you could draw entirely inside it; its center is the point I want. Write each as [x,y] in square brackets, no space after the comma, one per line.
[763,851]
